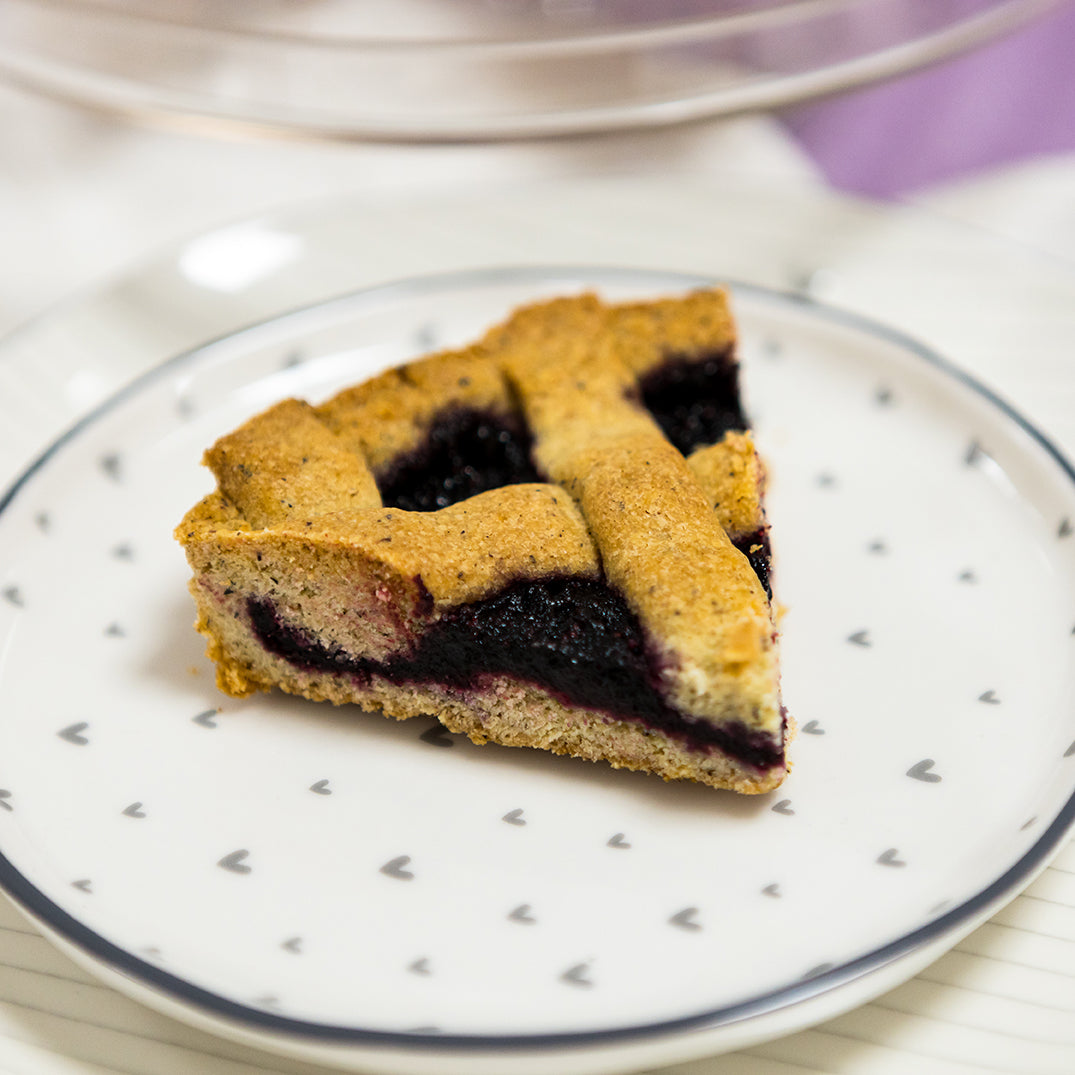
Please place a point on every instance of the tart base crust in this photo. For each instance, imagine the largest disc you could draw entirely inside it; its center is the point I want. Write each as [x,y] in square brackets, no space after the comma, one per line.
[501,710]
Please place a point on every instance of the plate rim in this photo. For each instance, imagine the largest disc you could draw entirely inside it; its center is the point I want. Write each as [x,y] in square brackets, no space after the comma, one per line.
[39,907]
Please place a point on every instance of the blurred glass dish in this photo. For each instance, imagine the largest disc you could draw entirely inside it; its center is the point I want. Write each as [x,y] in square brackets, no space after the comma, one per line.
[438,70]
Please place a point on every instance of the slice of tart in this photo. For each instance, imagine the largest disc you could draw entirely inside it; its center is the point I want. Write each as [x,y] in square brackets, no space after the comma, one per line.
[553,538]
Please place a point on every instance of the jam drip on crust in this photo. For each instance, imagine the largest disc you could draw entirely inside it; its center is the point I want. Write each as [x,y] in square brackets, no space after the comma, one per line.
[695,401]
[575,638]
[466,452]
[755,547]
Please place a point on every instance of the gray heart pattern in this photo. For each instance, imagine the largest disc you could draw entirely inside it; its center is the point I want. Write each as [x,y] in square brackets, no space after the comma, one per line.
[773,891]
[112,465]
[84,885]
[73,733]
[421,967]
[860,638]
[686,919]
[292,945]
[922,770]
[578,975]
[206,718]
[396,868]
[989,697]
[811,727]
[320,787]
[890,857]
[814,281]
[426,337]
[522,914]
[514,817]
[618,841]
[134,810]
[114,630]
[235,861]
[783,807]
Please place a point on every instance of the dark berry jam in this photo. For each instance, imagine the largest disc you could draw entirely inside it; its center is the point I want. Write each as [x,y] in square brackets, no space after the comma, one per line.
[575,638]
[466,452]
[695,401]
[755,547]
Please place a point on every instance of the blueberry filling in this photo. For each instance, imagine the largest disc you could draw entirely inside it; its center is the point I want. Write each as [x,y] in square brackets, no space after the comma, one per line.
[755,547]
[575,638]
[466,452]
[695,401]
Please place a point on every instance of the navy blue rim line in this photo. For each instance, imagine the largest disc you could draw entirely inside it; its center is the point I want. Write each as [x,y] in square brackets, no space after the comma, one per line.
[41,907]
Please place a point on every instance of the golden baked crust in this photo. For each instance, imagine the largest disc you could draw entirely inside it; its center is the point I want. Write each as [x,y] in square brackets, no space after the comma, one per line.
[297,522]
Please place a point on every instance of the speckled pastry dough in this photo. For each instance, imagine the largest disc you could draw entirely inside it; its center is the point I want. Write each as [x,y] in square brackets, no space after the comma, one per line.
[552,538]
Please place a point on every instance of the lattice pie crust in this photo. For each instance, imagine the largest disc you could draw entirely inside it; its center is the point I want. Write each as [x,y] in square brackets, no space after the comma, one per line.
[534,539]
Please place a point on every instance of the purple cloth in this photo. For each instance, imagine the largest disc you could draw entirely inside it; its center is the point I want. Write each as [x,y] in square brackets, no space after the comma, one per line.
[1010,100]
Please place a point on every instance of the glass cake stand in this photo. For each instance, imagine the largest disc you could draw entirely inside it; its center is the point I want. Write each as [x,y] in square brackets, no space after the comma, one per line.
[423,69]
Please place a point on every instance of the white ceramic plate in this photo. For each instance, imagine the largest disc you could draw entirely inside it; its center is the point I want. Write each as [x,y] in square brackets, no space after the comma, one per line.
[380,895]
